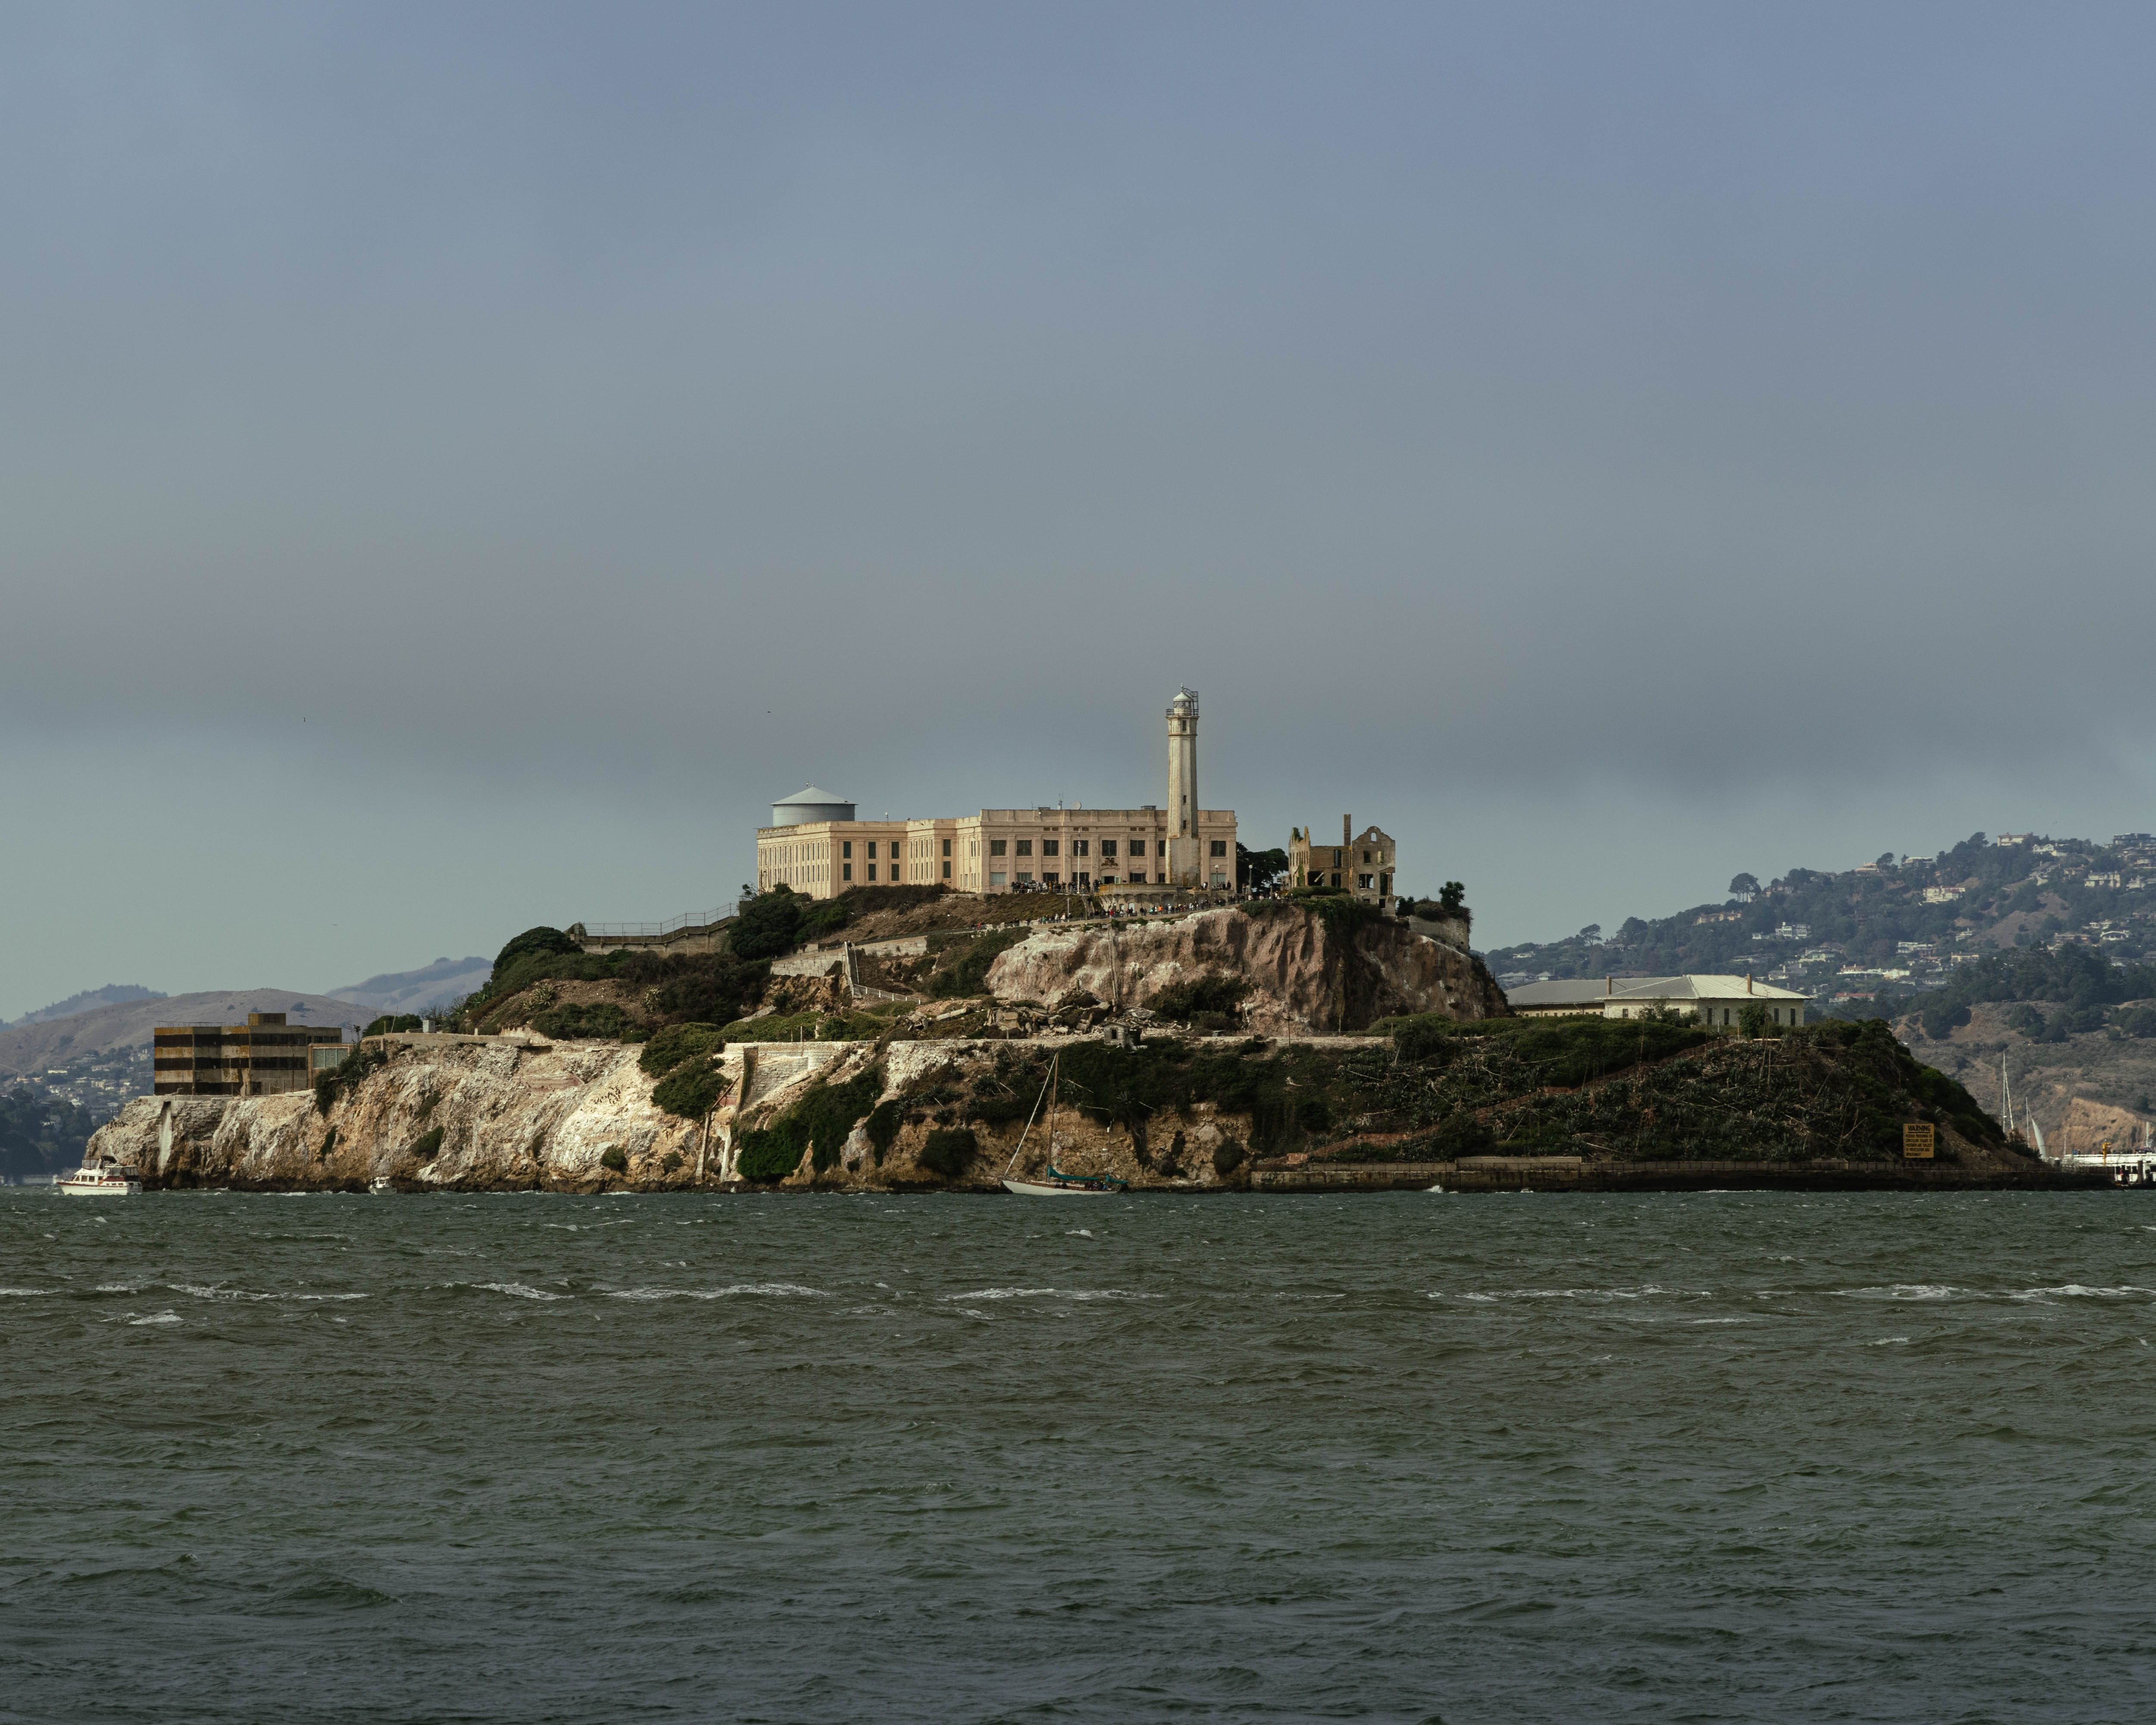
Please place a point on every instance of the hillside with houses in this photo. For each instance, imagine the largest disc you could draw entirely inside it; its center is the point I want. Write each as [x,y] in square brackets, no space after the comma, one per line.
[1865,941]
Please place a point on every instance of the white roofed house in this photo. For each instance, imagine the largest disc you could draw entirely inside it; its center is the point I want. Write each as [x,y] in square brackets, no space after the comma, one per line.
[1717,1000]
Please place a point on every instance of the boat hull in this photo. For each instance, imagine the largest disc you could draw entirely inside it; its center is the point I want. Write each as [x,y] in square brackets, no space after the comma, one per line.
[1044,1188]
[100,1189]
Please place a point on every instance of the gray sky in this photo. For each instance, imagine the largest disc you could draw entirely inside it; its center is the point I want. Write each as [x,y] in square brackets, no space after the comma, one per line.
[460,464]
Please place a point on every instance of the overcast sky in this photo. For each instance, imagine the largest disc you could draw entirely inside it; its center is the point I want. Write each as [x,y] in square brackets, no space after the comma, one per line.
[459,463]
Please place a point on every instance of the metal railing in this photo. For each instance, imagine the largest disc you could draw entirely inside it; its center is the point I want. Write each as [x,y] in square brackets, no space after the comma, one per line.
[648,931]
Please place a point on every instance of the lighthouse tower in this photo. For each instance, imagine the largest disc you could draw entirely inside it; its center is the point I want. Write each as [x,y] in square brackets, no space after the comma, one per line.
[1185,867]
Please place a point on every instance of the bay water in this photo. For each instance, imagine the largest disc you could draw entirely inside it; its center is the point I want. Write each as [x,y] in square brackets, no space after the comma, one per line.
[1414,1457]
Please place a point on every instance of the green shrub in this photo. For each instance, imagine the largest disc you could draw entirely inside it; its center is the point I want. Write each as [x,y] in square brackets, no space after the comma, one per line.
[950,1151]
[675,1044]
[818,1123]
[1752,1021]
[614,1156]
[1571,1051]
[962,970]
[390,1025]
[1213,993]
[1227,1158]
[429,1144]
[692,1088]
[598,1021]
[329,1145]
[332,1087]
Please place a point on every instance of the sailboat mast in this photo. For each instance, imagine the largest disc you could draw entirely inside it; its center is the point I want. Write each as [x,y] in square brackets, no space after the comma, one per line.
[1032,1116]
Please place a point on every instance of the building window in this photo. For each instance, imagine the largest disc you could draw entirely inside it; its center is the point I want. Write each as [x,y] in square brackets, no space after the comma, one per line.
[872,851]
[847,849]
[946,871]
[946,850]
[871,867]
[1336,878]
[1363,883]
[1137,847]
[1049,878]
[1337,860]
[995,847]
[998,878]
[1107,880]
[1080,847]
[846,870]
[1220,848]
[1026,849]
[1107,849]
[1082,878]
[1025,877]
[1051,847]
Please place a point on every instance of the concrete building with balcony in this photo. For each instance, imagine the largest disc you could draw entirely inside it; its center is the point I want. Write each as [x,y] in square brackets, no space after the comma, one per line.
[262,1057]
[814,844]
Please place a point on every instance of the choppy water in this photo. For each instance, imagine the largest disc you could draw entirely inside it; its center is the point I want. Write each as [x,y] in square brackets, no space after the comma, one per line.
[1410,1457]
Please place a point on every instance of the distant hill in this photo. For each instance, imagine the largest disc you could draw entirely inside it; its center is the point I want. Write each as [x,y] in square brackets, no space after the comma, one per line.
[111,994]
[34,1048]
[404,991]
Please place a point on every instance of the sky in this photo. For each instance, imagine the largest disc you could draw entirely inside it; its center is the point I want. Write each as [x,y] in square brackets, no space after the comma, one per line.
[460,464]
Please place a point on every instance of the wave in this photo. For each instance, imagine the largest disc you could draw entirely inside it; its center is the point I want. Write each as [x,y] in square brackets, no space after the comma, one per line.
[777,1289]
[1051,1294]
[24,1293]
[1904,1290]
[520,1291]
[156,1317]
[197,1291]
[1648,1292]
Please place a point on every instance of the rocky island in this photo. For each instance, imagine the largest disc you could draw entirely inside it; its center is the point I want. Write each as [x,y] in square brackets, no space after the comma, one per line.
[1280,1045]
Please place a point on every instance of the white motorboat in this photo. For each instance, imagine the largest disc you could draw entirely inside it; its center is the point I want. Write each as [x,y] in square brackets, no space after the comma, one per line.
[1053,1182]
[380,1184]
[102,1178]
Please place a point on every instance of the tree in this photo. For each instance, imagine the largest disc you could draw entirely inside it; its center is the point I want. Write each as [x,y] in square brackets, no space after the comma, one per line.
[766,925]
[1452,898]
[1744,885]
[1257,870]
[533,941]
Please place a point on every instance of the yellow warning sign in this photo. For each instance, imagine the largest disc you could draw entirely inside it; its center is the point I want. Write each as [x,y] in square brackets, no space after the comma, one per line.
[1919,1140]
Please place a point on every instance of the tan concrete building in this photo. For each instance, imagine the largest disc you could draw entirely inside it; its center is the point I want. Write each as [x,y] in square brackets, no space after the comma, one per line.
[815,846]
[262,1057]
[1363,866]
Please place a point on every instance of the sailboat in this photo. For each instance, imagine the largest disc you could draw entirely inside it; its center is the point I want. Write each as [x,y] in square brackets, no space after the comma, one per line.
[1055,1183]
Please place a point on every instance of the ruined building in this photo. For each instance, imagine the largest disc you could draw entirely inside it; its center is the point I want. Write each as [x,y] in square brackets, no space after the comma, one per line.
[1362,866]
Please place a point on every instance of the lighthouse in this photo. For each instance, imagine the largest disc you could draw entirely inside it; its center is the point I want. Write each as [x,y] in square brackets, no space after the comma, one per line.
[1186,865]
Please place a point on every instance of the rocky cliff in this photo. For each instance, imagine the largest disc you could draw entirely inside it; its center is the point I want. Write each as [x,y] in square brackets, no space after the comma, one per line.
[1300,970]
[1179,1113]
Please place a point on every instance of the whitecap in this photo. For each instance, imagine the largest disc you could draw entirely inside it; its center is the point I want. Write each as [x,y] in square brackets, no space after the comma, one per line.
[780,1289]
[1051,1294]
[1889,1342]
[1078,1233]
[156,1317]
[520,1291]
[23,1293]
[1902,1291]
[2075,1290]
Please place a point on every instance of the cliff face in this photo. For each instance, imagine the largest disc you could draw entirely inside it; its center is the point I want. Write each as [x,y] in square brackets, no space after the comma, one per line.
[561,1119]
[1179,1113]
[1307,973]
